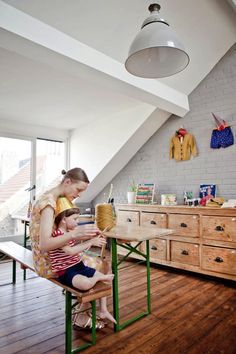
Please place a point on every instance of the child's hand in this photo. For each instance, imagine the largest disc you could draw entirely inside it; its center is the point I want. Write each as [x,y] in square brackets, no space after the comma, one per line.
[85,232]
[98,241]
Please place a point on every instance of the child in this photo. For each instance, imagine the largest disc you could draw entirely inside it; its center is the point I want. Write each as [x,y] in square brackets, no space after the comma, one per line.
[67,261]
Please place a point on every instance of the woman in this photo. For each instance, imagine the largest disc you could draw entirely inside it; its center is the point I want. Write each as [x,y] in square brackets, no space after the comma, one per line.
[74,182]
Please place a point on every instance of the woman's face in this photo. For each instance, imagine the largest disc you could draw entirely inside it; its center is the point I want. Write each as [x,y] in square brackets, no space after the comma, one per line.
[73,190]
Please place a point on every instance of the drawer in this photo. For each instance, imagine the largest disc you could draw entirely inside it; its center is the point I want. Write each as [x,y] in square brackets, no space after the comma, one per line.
[219,259]
[154,220]
[127,216]
[184,252]
[157,249]
[221,228]
[184,225]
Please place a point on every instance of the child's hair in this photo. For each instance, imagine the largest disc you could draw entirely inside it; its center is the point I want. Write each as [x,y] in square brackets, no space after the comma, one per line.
[75,175]
[65,214]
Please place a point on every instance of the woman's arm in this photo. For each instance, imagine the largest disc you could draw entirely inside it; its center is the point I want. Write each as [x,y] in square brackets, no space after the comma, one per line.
[46,241]
[49,243]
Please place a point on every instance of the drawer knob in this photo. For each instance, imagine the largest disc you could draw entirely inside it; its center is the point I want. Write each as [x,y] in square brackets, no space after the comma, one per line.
[183,224]
[219,228]
[153,222]
[129,220]
[218,260]
[154,248]
[185,252]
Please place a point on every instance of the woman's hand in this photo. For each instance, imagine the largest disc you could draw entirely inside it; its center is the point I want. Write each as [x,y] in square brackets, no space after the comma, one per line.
[85,232]
[98,241]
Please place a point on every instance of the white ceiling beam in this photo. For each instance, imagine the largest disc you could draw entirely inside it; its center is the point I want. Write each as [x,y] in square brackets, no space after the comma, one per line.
[101,66]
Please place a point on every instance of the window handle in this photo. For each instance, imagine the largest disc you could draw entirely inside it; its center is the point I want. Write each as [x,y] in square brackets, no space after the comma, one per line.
[30,188]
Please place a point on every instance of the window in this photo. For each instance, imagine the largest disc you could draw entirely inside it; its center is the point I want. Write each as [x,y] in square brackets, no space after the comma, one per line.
[15,178]
[25,164]
[50,161]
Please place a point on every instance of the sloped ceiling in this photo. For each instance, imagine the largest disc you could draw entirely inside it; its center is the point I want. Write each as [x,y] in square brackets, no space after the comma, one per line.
[61,65]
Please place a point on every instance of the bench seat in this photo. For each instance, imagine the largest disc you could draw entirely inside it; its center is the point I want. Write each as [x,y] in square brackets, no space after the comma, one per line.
[24,257]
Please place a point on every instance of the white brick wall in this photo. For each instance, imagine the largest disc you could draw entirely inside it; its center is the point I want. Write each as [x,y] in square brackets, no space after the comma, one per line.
[216,93]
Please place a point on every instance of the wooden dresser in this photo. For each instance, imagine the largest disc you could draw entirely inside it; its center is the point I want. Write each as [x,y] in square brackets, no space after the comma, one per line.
[204,239]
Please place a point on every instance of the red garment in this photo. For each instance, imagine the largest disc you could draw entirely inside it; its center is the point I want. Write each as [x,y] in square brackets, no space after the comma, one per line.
[61,260]
[182,132]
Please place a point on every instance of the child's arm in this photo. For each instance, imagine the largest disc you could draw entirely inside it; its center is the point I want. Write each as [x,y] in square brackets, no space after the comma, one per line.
[49,243]
[98,241]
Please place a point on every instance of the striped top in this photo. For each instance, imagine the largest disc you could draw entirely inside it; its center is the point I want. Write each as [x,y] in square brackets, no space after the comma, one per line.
[60,260]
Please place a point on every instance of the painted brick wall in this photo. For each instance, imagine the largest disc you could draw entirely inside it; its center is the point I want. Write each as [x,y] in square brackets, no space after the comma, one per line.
[216,93]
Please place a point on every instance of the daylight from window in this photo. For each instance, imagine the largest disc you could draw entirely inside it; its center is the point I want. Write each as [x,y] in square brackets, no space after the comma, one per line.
[15,178]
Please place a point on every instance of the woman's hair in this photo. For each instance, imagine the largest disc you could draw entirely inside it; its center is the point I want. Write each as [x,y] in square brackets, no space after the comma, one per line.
[75,175]
[65,214]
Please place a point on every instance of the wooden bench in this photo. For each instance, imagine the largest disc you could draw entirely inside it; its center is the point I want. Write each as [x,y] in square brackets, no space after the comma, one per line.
[24,256]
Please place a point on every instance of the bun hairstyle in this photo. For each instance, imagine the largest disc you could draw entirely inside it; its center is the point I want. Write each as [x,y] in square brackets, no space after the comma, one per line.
[75,175]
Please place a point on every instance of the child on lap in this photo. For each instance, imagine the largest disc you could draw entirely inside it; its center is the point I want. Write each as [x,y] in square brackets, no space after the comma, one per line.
[67,261]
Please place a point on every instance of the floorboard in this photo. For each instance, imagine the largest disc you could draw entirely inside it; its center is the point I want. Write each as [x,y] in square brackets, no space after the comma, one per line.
[190,314]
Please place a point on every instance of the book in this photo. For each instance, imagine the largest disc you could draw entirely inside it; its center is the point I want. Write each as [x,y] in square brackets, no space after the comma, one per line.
[207,191]
[145,193]
[231,203]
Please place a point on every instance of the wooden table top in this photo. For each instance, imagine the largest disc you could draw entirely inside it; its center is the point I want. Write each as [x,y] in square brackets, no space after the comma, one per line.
[136,233]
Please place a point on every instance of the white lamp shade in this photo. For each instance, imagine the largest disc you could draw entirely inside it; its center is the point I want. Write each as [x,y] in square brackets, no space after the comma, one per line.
[156,52]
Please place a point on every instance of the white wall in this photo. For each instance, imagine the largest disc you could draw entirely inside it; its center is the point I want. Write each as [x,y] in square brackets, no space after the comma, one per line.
[216,93]
[103,148]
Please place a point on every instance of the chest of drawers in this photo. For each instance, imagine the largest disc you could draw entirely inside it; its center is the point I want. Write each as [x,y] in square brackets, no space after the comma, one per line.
[204,238]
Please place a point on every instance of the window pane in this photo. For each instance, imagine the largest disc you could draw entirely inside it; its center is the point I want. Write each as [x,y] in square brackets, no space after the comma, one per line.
[15,172]
[50,161]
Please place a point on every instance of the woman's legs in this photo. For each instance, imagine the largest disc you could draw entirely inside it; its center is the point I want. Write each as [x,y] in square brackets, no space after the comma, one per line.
[82,282]
[104,313]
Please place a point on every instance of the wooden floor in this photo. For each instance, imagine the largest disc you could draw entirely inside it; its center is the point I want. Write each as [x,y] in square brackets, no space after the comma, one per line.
[189,315]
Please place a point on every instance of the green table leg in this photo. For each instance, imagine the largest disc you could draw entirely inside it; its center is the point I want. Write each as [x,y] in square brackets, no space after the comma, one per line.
[148,277]
[115,284]
[13,271]
[25,244]
[118,326]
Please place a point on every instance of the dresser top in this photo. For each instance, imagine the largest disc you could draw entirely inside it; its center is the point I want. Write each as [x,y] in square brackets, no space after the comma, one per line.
[178,209]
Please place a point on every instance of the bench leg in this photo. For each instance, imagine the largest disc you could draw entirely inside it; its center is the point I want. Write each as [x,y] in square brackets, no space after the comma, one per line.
[68,338]
[13,271]
[68,334]
[93,322]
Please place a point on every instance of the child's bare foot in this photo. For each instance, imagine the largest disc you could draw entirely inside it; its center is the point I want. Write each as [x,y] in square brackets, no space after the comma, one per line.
[106,278]
[109,278]
[106,314]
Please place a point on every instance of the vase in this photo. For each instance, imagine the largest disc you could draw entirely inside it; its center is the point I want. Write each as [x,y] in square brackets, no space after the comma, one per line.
[131,196]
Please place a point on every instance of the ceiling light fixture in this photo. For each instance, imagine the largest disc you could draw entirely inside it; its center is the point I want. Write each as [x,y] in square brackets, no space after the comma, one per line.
[156,51]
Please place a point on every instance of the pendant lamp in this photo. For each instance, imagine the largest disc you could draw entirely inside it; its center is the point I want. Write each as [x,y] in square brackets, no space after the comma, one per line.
[156,51]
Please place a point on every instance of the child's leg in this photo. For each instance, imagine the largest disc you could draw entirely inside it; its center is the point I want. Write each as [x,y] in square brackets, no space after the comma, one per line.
[104,313]
[103,277]
[82,282]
